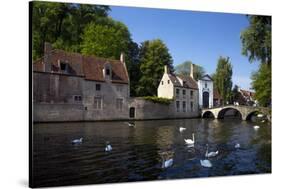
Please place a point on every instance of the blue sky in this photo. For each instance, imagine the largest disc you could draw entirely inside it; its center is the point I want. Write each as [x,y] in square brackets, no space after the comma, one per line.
[189,35]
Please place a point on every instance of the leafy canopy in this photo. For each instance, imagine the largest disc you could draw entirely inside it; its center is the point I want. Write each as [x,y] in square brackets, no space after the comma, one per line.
[261,83]
[223,78]
[256,39]
[153,56]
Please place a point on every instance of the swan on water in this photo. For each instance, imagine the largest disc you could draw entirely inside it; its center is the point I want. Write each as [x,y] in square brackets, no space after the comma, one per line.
[210,154]
[206,163]
[130,124]
[256,127]
[190,141]
[182,129]
[167,162]
[260,115]
[77,141]
[108,147]
[237,145]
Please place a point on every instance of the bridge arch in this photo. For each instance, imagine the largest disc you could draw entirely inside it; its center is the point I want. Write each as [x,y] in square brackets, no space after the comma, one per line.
[208,114]
[221,113]
[250,114]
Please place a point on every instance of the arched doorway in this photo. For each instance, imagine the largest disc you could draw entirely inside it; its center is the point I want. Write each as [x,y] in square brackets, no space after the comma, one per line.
[205,99]
[132,112]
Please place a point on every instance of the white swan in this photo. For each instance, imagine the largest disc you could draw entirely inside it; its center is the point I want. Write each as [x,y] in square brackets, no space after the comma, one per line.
[190,141]
[167,163]
[108,147]
[206,163]
[182,129]
[77,141]
[256,127]
[237,145]
[130,124]
[260,115]
[210,154]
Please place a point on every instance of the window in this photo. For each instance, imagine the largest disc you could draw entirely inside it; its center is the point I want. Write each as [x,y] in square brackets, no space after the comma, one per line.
[77,98]
[63,66]
[168,81]
[107,71]
[119,88]
[191,106]
[178,106]
[119,103]
[183,92]
[183,106]
[98,87]
[206,85]
[97,103]
[184,82]
[177,93]
[162,82]
[191,94]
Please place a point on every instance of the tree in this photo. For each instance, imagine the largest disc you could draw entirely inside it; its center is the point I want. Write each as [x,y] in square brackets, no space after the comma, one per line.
[256,42]
[256,39]
[153,56]
[184,69]
[223,78]
[108,39]
[61,24]
[261,83]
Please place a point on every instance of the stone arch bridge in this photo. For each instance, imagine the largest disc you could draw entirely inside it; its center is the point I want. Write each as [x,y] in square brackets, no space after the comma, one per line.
[245,111]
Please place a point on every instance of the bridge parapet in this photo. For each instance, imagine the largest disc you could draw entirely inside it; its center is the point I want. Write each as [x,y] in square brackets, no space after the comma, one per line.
[245,111]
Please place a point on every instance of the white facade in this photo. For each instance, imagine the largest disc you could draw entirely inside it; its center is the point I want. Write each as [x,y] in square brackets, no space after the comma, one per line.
[206,92]
[185,98]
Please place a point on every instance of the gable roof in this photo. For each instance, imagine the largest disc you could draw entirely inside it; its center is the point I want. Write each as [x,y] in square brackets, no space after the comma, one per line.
[189,82]
[208,78]
[90,67]
[174,80]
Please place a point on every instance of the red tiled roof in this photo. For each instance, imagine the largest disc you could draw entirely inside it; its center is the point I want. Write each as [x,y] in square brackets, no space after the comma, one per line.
[88,66]
[247,93]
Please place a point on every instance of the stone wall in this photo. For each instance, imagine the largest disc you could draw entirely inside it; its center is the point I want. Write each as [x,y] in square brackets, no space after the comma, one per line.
[57,112]
[145,109]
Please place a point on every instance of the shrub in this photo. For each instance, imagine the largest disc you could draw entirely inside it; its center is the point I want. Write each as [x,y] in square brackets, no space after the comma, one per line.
[159,100]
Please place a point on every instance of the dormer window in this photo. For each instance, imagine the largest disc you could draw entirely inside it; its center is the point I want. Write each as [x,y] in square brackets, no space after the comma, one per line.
[162,82]
[184,82]
[168,81]
[63,66]
[107,71]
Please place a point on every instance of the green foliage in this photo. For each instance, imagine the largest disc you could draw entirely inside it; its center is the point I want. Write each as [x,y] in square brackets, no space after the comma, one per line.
[223,78]
[256,39]
[61,24]
[153,56]
[107,39]
[159,100]
[184,69]
[261,83]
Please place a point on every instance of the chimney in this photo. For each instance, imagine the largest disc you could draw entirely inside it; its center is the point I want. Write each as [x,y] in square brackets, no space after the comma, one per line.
[166,69]
[122,57]
[47,57]
[191,70]
[47,48]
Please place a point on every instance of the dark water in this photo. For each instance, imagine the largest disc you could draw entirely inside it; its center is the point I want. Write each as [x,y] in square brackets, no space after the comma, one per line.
[136,154]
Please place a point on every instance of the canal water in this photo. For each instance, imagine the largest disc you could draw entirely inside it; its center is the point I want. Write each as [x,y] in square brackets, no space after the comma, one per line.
[137,151]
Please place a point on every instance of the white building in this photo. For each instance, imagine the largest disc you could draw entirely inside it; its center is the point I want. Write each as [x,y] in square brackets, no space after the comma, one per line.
[184,91]
[206,92]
